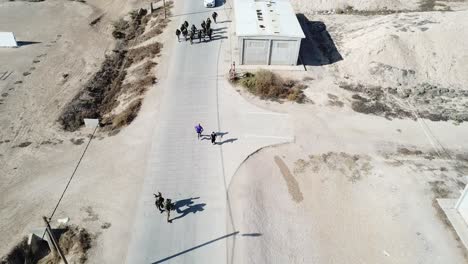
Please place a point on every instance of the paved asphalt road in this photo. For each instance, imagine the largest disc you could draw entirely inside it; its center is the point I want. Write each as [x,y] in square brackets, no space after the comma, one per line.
[193,172]
[182,167]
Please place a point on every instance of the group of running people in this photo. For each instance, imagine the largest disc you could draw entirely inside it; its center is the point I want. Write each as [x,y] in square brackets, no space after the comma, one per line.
[164,205]
[199,130]
[193,32]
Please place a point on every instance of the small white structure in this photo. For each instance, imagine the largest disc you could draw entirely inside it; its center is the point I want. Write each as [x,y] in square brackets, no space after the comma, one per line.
[456,211]
[7,40]
[268,32]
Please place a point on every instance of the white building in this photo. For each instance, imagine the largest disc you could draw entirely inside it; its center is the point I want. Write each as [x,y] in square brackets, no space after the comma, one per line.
[7,40]
[268,32]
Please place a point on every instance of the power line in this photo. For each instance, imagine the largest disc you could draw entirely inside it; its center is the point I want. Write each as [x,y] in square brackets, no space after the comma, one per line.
[73,174]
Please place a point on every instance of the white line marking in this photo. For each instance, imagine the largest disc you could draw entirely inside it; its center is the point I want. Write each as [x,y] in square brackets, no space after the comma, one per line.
[259,136]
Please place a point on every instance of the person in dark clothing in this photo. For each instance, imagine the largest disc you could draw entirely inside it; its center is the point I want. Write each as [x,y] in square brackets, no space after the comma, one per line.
[182,27]
[159,201]
[214,16]
[199,35]
[186,24]
[168,206]
[185,33]
[177,32]
[203,24]
[210,32]
[213,138]
[192,35]
[194,28]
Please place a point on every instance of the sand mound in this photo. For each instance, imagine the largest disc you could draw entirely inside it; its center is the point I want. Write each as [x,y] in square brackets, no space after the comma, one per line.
[364,5]
[407,49]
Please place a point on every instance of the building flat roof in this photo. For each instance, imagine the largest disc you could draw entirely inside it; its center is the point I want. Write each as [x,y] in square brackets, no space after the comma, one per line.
[266,18]
[7,39]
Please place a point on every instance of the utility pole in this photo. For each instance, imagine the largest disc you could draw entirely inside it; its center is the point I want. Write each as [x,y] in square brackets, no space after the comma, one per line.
[54,241]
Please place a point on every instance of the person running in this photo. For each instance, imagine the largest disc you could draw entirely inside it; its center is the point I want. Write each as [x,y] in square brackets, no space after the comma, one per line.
[168,207]
[214,15]
[210,32]
[213,138]
[185,33]
[199,130]
[192,35]
[177,32]
[159,201]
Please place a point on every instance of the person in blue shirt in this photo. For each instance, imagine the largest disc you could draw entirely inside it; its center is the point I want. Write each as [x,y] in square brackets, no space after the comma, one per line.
[199,130]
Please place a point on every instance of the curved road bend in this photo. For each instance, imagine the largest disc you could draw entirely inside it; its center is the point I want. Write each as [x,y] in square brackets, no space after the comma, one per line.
[183,167]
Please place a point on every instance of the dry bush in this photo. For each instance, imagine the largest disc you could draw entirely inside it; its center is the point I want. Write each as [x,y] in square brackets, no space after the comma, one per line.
[102,91]
[140,86]
[138,54]
[268,85]
[99,92]
[147,67]
[440,189]
[73,241]
[126,116]
[120,26]
[76,241]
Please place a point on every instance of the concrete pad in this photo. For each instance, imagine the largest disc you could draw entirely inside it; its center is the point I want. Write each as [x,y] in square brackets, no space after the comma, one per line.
[455,218]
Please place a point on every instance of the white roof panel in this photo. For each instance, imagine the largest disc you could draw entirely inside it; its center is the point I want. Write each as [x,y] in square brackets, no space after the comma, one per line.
[266,18]
[7,39]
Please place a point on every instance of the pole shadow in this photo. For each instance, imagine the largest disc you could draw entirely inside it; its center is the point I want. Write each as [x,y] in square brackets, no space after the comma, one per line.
[318,48]
[196,247]
[252,234]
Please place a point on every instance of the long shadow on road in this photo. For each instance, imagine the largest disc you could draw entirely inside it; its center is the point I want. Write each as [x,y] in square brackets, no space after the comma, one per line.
[187,206]
[196,247]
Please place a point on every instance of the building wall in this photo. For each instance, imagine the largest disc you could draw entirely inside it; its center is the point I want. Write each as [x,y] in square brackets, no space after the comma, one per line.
[269,50]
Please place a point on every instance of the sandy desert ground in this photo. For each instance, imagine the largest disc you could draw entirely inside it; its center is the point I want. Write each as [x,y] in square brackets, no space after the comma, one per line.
[61,49]
[358,183]
[383,134]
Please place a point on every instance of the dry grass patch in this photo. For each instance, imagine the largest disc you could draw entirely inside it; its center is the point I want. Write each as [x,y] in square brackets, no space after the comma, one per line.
[268,85]
[128,115]
[138,54]
[105,90]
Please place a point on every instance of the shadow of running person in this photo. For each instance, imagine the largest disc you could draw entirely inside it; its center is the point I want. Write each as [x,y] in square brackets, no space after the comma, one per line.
[226,141]
[187,206]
